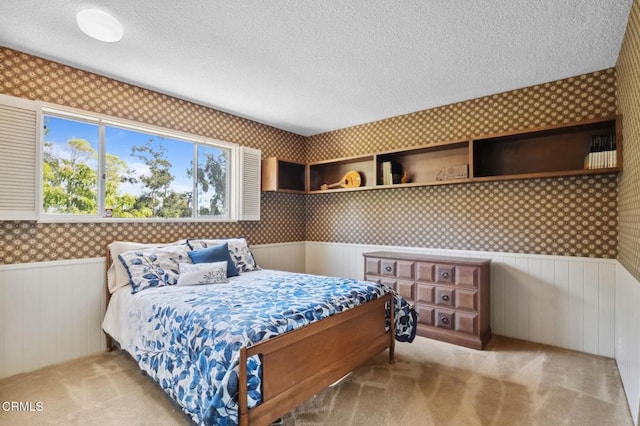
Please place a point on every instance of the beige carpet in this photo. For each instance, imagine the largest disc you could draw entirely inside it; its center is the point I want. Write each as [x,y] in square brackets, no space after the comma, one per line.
[511,382]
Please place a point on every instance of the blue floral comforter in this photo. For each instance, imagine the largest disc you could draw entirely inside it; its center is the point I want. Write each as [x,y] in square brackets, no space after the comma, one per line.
[188,338]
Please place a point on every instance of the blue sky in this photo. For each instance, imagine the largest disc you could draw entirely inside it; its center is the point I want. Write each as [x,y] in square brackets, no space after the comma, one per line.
[119,142]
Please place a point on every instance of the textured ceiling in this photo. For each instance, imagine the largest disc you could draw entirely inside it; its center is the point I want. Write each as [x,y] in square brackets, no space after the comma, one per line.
[311,66]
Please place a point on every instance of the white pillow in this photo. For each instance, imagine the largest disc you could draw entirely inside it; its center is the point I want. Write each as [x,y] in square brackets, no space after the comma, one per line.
[117,275]
[203,273]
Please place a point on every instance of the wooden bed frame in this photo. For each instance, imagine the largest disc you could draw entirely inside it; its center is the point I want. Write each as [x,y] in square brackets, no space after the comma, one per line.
[299,364]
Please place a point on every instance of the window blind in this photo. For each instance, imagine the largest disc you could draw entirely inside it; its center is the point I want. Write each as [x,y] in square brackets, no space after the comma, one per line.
[250,161]
[19,174]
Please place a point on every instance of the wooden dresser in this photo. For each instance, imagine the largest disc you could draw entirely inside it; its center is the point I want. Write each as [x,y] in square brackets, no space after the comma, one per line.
[450,294]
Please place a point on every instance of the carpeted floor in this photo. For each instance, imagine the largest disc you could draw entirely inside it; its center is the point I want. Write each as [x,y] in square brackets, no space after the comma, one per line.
[511,382]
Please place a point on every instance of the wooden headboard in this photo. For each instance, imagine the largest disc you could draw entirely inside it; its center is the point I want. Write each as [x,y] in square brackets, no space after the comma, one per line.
[107,294]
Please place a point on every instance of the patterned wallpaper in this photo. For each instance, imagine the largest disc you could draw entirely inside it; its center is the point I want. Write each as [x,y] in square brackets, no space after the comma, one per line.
[628,70]
[570,216]
[573,99]
[31,77]
[282,219]
[574,216]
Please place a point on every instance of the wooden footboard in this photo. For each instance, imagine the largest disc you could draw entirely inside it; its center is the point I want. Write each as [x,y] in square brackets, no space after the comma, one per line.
[299,364]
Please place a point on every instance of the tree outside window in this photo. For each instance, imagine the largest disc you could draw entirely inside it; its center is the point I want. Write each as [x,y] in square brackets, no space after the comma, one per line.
[145,175]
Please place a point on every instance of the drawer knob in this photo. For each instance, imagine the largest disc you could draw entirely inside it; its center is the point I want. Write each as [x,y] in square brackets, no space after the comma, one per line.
[444,320]
[444,274]
[445,297]
[388,268]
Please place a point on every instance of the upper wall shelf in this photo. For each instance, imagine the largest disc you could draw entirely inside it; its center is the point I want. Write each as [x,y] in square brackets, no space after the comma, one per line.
[550,151]
[282,176]
[545,152]
[332,171]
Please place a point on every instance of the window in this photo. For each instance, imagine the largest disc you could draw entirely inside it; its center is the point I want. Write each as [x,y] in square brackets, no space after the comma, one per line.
[98,168]
[70,167]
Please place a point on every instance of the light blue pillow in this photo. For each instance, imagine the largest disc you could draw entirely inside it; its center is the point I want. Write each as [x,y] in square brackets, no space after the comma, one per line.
[217,253]
[155,266]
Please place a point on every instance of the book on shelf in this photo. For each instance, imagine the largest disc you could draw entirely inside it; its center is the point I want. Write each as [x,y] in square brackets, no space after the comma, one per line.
[602,152]
[386,173]
[391,172]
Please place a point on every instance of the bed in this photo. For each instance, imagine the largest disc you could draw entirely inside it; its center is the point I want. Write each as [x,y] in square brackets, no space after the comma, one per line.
[249,350]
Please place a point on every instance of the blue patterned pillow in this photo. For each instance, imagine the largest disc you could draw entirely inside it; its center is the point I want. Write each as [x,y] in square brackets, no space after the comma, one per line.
[203,273]
[154,267]
[238,249]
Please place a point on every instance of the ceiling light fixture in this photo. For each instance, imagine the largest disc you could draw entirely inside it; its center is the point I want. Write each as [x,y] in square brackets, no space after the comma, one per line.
[100,25]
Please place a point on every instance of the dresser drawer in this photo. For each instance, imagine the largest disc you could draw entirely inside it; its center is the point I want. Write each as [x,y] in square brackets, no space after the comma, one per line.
[406,289]
[445,274]
[424,293]
[466,299]
[387,268]
[466,322]
[445,318]
[445,296]
[467,276]
[425,314]
[425,272]
[371,266]
[405,270]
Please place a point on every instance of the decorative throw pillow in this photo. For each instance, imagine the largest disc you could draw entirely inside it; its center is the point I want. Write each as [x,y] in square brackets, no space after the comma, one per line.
[117,275]
[203,273]
[238,249]
[217,253]
[154,267]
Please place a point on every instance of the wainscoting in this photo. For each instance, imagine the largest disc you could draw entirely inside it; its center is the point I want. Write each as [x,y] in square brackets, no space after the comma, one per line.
[50,312]
[627,342]
[560,301]
[281,256]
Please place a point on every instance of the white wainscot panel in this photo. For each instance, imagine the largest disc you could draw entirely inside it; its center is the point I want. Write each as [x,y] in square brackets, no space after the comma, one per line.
[627,336]
[556,300]
[281,256]
[50,312]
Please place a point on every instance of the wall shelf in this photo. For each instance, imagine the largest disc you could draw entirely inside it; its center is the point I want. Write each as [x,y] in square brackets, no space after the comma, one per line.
[332,171]
[543,152]
[283,176]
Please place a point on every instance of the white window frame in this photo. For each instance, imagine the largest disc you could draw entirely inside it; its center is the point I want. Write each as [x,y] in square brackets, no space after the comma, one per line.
[233,175]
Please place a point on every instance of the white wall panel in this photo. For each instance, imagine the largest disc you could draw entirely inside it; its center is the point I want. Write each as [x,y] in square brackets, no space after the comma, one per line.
[560,304]
[576,306]
[561,301]
[523,295]
[497,294]
[281,256]
[510,297]
[12,323]
[51,312]
[607,277]
[627,336]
